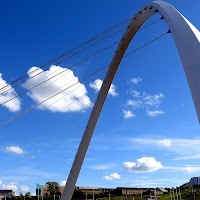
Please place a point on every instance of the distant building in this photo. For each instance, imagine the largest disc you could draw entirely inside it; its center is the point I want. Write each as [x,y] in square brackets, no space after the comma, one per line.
[161,190]
[89,190]
[132,191]
[158,191]
[194,181]
[42,190]
[7,193]
[39,190]
[46,192]
[107,189]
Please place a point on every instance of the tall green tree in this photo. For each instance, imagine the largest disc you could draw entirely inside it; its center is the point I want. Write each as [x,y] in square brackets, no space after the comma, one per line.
[53,188]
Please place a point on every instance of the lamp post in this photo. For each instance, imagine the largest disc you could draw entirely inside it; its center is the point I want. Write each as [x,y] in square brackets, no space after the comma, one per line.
[176,193]
[180,192]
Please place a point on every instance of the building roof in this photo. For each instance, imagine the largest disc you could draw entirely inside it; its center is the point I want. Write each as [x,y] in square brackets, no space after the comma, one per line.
[132,188]
[162,189]
[88,188]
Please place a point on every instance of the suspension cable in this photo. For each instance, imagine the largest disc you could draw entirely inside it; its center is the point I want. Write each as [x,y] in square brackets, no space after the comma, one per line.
[46,145]
[73,49]
[75,54]
[70,67]
[59,73]
[82,79]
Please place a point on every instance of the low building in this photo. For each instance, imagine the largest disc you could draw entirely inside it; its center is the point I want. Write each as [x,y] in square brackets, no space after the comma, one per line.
[42,190]
[107,189]
[39,190]
[132,191]
[89,190]
[194,181]
[161,190]
[7,193]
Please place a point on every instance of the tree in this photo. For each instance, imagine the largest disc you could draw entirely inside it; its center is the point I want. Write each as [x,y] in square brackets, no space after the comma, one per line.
[28,195]
[53,188]
[21,195]
[117,192]
[77,195]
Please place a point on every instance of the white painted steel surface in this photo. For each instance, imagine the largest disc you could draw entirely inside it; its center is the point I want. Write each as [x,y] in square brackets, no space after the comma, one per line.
[186,38]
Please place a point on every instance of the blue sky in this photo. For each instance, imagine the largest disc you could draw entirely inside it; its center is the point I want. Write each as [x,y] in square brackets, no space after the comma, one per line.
[148,131]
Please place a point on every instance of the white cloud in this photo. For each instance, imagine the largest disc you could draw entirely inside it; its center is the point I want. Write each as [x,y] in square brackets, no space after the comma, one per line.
[128,114]
[154,113]
[135,103]
[72,99]
[62,183]
[142,100]
[102,167]
[165,142]
[192,169]
[13,183]
[14,149]
[24,188]
[7,93]
[112,177]
[136,80]
[187,169]
[9,187]
[144,164]
[33,194]
[135,93]
[1,182]
[146,101]
[183,149]
[153,100]
[96,85]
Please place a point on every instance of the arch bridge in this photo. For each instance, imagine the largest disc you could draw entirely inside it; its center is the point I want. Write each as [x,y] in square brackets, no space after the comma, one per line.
[187,39]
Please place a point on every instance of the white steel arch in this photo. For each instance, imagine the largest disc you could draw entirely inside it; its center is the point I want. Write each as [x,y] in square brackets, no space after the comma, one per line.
[187,39]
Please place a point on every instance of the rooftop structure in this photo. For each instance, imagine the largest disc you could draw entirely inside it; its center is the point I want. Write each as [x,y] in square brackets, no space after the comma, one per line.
[7,193]
[194,181]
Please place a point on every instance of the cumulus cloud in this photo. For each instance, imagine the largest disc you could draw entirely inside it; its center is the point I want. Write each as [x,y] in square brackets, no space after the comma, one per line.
[7,93]
[24,188]
[153,100]
[96,85]
[9,187]
[165,142]
[154,113]
[135,103]
[33,194]
[112,177]
[72,99]
[62,183]
[144,164]
[128,114]
[136,80]
[145,101]
[14,149]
